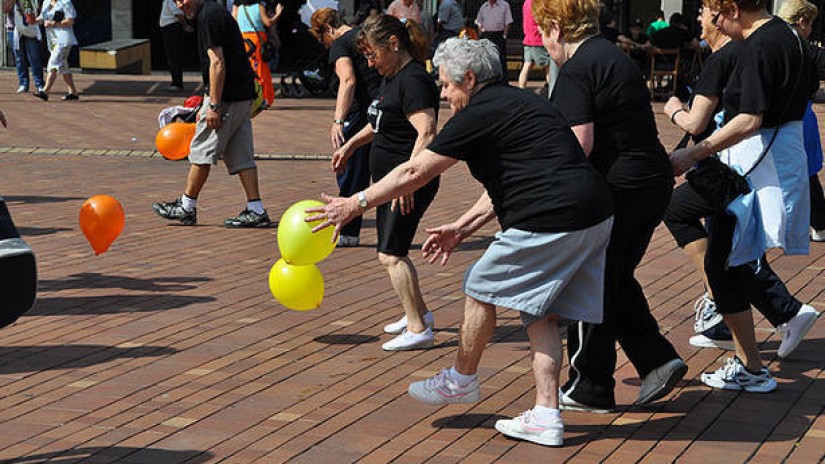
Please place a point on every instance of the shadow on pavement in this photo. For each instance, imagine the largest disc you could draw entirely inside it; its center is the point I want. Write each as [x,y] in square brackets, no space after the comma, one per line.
[33,199]
[17,359]
[113,454]
[346,339]
[468,421]
[98,280]
[35,231]
[113,304]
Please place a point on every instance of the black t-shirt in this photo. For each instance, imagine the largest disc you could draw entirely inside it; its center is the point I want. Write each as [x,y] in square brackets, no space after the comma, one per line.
[817,55]
[520,147]
[601,85]
[217,28]
[411,89]
[609,33]
[716,71]
[772,78]
[367,81]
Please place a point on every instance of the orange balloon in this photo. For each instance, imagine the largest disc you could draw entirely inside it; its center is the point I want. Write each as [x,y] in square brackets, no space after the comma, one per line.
[101,220]
[173,140]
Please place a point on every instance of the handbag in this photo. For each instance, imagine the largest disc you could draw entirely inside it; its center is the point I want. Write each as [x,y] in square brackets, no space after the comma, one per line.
[267,48]
[717,182]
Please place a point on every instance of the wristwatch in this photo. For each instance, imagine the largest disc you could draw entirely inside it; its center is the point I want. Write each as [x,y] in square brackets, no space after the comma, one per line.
[215,106]
[362,200]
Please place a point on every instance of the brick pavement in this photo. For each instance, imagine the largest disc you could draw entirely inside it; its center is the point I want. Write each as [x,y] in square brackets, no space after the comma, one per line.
[169,348]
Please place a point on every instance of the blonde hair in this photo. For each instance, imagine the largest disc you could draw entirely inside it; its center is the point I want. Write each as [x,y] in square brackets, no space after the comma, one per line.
[792,11]
[577,19]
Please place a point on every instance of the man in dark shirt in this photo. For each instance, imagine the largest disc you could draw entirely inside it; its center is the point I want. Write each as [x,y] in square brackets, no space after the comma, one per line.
[677,35]
[224,128]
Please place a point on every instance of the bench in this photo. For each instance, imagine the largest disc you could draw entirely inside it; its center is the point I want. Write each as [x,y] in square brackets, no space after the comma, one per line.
[122,56]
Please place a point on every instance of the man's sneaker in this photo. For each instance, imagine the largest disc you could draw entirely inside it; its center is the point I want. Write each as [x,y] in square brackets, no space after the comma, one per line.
[718,336]
[22,89]
[173,210]
[734,376]
[527,427]
[816,235]
[410,341]
[348,241]
[71,96]
[248,218]
[661,381]
[441,389]
[794,330]
[706,315]
[569,404]
[41,95]
[401,325]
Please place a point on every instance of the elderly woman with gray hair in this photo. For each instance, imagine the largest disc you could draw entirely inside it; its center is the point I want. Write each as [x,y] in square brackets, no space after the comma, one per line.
[555,213]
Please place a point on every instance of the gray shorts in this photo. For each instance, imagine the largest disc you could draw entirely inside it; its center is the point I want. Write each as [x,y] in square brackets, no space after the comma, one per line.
[544,274]
[232,142]
[536,55]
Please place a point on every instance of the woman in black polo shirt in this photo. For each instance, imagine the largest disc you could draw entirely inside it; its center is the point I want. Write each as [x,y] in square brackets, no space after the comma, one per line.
[601,93]
[402,122]
[764,102]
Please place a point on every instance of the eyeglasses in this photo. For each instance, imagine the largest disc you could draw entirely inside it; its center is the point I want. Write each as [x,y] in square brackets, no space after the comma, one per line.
[715,18]
[371,56]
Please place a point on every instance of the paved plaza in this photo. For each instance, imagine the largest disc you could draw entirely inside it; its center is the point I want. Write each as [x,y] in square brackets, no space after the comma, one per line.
[169,348]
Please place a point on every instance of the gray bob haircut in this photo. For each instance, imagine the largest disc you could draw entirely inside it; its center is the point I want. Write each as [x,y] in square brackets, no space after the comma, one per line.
[458,56]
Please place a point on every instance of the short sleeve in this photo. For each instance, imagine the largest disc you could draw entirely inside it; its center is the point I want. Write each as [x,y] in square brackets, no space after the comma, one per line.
[69,11]
[460,137]
[508,15]
[713,77]
[418,93]
[210,31]
[338,50]
[573,95]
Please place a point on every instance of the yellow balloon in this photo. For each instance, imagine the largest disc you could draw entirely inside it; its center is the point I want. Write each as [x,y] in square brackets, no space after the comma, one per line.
[295,238]
[300,288]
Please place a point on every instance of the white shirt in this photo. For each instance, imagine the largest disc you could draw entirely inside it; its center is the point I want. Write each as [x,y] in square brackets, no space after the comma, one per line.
[493,18]
[169,13]
[59,35]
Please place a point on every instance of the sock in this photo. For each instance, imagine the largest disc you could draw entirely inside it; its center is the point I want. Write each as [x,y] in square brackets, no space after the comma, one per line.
[546,413]
[188,203]
[256,206]
[461,379]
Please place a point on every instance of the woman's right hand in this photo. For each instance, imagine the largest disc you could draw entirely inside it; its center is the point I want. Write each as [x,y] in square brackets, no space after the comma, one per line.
[339,159]
[336,134]
[441,243]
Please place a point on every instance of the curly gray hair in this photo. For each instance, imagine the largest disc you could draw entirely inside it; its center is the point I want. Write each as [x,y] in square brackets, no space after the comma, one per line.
[457,56]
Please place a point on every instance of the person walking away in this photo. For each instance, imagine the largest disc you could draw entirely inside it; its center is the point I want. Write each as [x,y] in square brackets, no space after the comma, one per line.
[224,128]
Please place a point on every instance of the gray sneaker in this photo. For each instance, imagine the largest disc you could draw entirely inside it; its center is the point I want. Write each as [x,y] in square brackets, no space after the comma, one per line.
[706,315]
[173,210]
[661,381]
[248,218]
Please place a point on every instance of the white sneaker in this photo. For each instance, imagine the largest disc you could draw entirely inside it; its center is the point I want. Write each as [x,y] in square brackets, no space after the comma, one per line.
[410,341]
[734,376]
[348,241]
[22,89]
[794,330]
[527,427]
[702,341]
[706,315]
[816,235]
[401,325]
[441,389]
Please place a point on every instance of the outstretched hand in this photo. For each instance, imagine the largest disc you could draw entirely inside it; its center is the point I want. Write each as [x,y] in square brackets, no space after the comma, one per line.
[337,212]
[441,243]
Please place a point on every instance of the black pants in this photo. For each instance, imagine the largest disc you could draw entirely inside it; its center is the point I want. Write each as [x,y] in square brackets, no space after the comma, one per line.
[755,282]
[627,318]
[356,174]
[817,203]
[501,43]
[173,42]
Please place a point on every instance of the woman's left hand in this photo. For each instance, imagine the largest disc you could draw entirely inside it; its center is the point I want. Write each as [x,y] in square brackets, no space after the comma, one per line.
[337,212]
[404,203]
[682,160]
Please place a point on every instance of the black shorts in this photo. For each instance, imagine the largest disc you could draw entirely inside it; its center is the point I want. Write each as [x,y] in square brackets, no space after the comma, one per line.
[396,230]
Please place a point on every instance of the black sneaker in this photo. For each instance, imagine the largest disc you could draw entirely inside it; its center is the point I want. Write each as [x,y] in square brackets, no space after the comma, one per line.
[71,96]
[41,95]
[173,210]
[249,218]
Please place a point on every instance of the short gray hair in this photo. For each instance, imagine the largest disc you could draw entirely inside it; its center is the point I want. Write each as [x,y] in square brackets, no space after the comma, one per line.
[458,56]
